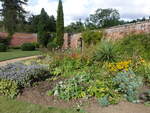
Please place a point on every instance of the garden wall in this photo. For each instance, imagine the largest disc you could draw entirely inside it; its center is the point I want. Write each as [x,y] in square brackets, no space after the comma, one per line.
[112,33]
[19,38]
[121,31]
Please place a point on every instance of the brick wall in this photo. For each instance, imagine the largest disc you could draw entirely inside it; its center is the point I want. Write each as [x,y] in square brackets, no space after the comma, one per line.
[19,38]
[113,33]
[71,41]
[121,31]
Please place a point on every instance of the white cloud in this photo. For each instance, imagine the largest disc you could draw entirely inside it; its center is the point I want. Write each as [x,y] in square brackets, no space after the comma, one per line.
[75,9]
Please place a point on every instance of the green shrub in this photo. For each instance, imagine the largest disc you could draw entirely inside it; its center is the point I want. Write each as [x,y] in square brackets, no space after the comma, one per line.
[36,44]
[92,37]
[68,66]
[128,84]
[135,44]
[15,76]
[144,71]
[25,75]
[106,52]
[84,86]
[9,88]
[28,47]
[5,40]
[51,45]
[15,47]
[71,88]
[3,47]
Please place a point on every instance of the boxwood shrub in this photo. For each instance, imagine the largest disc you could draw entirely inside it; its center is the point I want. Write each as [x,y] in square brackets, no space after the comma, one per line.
[3,47]
[28,47]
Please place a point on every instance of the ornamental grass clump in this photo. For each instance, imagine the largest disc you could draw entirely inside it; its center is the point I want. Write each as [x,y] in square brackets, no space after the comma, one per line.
[106,52]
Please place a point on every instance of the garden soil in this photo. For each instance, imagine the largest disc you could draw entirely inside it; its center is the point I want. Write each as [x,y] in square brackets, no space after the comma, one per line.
[38,95]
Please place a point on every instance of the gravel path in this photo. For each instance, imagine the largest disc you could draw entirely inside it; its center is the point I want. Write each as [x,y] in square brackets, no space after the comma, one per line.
[16,60]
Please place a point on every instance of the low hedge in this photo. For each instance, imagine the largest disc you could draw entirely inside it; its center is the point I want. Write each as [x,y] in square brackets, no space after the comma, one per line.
[28,47]
[3,47]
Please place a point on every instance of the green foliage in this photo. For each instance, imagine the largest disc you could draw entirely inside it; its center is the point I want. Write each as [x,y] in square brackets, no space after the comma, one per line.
[75,27]
[31,25]
[104,101]
[28,47]
[15,47]
[144,71]
[60,24]
[135,44]
[127,83]
[71,88]
[84,86]
[51,45]
[92,37]
[8,88]
[104,18]
[3,47]
[15,106]
[106,52]
[36,44]
[43,28]
[13,13]
[15,76]
[5,40]
[68,65]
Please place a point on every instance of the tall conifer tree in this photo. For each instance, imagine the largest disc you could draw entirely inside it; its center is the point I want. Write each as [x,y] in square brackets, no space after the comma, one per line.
[60,24]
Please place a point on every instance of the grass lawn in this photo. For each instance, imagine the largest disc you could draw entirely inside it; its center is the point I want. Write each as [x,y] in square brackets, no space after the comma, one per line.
[14,106]
[16,53]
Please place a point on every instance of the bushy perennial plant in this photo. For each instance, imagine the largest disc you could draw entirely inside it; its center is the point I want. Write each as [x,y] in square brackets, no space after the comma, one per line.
[128,83]
[18,75]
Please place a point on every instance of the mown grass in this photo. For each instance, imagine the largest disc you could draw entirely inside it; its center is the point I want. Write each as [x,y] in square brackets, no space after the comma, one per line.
[16,53]
[14,106]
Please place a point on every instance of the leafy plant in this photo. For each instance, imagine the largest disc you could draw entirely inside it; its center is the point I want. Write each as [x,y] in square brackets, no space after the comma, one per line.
[52,45]
[104,102]
[15,76]
[84,86]
[68,65]
[127,83]
[9,88]
[23,74]
[144,71]
[92,37]
[71,88]
[106,52]
[135,44]
[3,47]
[28,47]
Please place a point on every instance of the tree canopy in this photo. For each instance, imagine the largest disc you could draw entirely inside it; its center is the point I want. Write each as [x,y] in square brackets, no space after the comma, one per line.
[43,28]
[13,14]
[75,27]
[103,18]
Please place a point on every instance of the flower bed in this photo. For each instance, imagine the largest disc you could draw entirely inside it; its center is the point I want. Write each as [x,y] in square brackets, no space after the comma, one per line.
[18,75]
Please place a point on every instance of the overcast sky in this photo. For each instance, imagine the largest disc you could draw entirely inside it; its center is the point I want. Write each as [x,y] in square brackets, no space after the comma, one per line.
[75,9]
